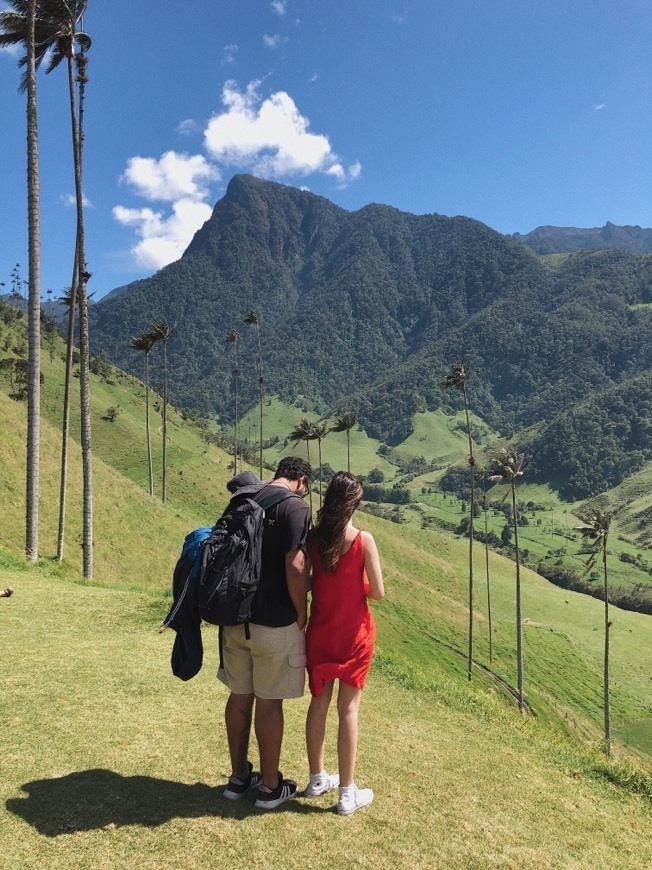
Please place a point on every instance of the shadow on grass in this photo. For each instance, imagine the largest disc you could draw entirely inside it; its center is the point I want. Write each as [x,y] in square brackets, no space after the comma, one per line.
[93,799]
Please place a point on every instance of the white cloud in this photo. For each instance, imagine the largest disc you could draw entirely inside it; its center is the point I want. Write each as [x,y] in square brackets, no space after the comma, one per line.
[270,137]
[69,200]
[187,127]
[172,177]
[600,106]
[230,52]
[355,170]
[180,179]
[279,6]
[163,239]
[273,40]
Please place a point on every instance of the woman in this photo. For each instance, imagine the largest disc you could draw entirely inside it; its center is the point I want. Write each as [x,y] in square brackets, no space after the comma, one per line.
[340,636]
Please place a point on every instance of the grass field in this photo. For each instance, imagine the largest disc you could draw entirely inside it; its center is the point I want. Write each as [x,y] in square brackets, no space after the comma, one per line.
[109,762]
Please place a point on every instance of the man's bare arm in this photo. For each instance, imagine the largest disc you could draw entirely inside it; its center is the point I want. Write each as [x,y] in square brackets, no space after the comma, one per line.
[296,575]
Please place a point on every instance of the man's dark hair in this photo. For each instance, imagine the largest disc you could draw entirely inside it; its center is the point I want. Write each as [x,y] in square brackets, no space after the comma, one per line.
[293,468]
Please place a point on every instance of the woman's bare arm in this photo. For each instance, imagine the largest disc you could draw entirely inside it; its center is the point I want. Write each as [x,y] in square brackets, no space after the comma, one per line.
[372,567]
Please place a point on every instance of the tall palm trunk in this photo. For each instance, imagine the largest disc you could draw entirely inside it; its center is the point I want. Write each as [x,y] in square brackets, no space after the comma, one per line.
[149,440]
[84,347]
[65,428]
[607,627]
[486,556]
[348,450]
[260,398]
[310,490]
[232,338]
[34,302]
[472,468]
[320,472]
[235,420]
[165,420]
[519,622]
[161,331]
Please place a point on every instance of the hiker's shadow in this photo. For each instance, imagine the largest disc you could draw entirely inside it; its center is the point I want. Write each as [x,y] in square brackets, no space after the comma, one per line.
[91,799]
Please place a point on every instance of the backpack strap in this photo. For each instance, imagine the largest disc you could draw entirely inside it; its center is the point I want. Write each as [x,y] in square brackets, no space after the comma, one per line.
[274,498]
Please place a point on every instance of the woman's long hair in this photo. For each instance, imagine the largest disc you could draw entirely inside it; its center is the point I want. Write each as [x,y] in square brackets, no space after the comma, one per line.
[342,497]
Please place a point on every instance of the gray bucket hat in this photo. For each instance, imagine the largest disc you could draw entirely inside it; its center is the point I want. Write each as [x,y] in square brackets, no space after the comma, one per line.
[244,483]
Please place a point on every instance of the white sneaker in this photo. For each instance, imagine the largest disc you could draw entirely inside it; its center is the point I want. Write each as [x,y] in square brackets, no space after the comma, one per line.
[352,799]
[320,783]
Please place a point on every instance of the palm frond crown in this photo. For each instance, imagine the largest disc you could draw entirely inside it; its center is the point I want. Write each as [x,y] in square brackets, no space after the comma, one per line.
[304,431]
[458,376]
[508,465]
[161,330]
[344,423]
[144,341]
[55,31]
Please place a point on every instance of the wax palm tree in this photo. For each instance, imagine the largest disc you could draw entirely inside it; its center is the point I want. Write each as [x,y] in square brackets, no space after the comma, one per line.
[305,431]
[252,319]
[509,466]
[457,379]
[232,337]
[319,432]
[344,424]
[19,25]
[162,331]
[144,342]
[596,531]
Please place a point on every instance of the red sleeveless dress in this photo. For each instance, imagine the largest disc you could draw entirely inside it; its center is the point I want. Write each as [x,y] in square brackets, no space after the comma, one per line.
[341,631]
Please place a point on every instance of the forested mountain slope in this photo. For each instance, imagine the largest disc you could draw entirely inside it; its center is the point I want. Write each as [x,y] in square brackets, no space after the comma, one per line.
[366,311]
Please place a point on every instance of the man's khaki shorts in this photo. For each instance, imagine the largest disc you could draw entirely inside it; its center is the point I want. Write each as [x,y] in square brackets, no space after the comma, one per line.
[271,664]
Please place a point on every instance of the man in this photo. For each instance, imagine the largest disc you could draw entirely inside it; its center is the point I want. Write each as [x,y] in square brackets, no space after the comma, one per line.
[269,666]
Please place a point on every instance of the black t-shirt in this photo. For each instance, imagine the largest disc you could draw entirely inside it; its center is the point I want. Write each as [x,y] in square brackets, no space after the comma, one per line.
[286,528]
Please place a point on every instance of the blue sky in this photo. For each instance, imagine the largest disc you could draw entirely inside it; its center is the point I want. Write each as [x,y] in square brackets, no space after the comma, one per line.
[519,113]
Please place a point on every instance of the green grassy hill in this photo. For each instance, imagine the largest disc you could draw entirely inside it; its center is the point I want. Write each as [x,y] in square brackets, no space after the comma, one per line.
[440,439]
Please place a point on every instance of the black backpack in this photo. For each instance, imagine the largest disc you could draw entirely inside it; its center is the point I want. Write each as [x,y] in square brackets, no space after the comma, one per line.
[228,579]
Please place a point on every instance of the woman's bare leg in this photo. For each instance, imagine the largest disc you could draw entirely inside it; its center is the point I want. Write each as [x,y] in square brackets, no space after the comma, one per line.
[348,703]
[316,728]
